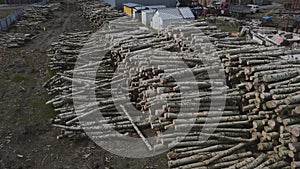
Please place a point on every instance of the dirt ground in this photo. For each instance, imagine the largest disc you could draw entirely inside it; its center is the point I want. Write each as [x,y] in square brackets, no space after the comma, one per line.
[27,139]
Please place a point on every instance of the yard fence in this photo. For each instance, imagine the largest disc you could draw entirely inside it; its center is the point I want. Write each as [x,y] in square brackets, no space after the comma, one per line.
[10,19]
[7,21]
[19,1]
[44,2]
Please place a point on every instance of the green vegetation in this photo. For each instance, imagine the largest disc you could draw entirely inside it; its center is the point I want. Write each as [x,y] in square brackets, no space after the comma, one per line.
[19,77]
[226,26]
[137,164]
[46,25]
[6,12]
[47,111]
[50,73]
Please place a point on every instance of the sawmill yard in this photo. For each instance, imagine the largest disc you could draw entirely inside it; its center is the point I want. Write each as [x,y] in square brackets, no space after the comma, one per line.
[220,73]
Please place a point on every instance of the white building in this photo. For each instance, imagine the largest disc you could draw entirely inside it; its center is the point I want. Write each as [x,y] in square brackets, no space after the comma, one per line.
[137,11]
[147,16]
[119,3]
[164,17]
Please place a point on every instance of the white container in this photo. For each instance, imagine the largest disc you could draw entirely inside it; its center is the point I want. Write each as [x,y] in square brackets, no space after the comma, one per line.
[147,16]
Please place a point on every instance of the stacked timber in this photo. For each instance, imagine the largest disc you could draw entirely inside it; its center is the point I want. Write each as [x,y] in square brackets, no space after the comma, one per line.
[61,83]
[32,19]
[13,40]
[165,103]
[271,36]
[271,87]
[98,13]
[28,26]
[218,139]
[268,85]
[174,79]
[64,53]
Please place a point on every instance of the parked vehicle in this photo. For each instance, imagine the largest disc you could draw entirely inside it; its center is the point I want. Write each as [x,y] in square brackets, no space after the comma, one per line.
[266,21]
[216,5]
[253,8]
[210,12]
[239,10]
[197,11]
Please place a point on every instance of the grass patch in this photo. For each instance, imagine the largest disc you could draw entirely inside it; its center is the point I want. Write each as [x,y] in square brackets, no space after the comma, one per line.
[225,26]
[46,25]
[158,162]
[19,77]
[50,74]
[45,112]
[4,13]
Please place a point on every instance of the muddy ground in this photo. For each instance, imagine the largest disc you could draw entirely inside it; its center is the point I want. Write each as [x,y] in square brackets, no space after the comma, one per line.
[27,139]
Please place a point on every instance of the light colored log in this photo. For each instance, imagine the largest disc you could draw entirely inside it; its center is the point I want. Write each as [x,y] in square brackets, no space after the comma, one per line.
[297,110]
[264,164]
[265,146]
[279,76]
[277,164]
[295,164]
[137,129]
[292,99]
[214,158]
[242,163]
[257,161]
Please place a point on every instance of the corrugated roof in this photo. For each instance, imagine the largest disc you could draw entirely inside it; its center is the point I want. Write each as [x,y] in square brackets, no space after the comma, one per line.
[169,13]
[186,12]
[149,7]
[176,13]
[131,5]
[156,6]
[139,7]
[149,11]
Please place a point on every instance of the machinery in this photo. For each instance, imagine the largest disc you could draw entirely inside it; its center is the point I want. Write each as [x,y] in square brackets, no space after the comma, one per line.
[266,21]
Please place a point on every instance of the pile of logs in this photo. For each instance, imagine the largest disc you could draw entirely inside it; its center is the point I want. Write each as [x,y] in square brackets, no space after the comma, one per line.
[246,119]
[271,92]
[269,87]
[63,54]
[270,36]
[30,21]
[12,40]
[160,98]
[28,26]
[98,13]
[133,41]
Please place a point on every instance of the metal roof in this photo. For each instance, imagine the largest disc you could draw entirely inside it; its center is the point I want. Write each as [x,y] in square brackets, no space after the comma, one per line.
[169,13]
[120,3]
[176,13]
[186,12]
[149,11]
[156,6]
[131,5]
[138,8]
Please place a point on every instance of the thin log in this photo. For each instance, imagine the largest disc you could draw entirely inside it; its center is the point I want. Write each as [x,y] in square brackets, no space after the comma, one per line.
[137,129]
[255,162]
